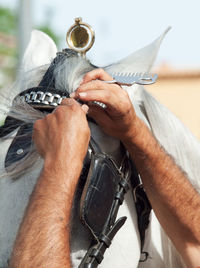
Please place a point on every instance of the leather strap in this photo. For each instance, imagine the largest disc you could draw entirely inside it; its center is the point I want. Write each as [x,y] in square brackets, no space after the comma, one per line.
[143,209]
[94,255]
[20,146]
[108,227]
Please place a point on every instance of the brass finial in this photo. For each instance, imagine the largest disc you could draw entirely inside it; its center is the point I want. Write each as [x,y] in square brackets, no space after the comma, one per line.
[80,36]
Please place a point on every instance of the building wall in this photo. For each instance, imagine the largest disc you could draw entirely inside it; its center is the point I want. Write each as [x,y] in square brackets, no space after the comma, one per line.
[180,92]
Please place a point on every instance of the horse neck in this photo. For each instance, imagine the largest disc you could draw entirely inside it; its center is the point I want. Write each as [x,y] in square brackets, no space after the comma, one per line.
[108,144]
[176,138]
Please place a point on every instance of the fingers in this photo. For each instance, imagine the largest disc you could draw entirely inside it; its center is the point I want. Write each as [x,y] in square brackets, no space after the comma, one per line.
[97,90]
[67,108]
[94,85]
[69,102]
[96,74]
[93,89]
[114,98]
[63,125]
[97,85]
[103,96]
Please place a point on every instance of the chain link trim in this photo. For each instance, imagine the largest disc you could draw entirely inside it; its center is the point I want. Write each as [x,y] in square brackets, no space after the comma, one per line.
[40,97]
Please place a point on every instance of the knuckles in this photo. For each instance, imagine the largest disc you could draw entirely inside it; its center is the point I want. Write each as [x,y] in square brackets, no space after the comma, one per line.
[66,106]
[91,75]
[60,111]
[48,117]
[95,74]
[126,100]
[37,125]
[68,102]
[97,84]
[88,76]
[73,111]
[101,71]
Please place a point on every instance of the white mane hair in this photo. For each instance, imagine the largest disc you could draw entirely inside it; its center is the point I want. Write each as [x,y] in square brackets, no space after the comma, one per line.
[169,131]
[174,136]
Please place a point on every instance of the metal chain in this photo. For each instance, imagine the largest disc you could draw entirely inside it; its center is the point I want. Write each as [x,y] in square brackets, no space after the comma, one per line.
[40,97]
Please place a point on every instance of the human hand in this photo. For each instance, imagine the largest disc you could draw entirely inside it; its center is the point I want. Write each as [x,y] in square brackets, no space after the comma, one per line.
[64,133]
[119,118]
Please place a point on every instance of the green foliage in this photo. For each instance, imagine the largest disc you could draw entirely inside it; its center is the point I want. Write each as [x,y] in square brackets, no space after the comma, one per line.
[8,21]
[9,53]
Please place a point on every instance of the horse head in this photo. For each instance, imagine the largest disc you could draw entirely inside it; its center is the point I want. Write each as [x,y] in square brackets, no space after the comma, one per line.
[45,68]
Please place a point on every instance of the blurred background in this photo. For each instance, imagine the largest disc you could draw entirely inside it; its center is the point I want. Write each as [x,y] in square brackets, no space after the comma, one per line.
[121,27]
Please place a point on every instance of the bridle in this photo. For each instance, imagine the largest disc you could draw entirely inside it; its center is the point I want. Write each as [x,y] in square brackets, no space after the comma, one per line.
[104,179]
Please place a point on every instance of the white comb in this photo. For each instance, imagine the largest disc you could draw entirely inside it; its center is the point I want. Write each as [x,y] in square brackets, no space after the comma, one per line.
[128,79]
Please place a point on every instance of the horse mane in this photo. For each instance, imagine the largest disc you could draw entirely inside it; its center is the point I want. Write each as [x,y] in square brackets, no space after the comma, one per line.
[179,142]
[174,136]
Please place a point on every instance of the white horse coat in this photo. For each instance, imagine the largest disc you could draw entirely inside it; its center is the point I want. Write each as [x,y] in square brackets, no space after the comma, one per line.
[176,139]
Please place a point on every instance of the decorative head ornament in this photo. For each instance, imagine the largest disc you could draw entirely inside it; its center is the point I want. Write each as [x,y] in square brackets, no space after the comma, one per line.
[80,37]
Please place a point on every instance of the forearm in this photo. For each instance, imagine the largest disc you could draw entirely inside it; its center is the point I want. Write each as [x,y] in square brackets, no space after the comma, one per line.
[43,238]
[174,200]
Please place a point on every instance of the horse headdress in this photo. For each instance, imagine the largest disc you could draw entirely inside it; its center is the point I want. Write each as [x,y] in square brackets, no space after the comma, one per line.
[55,76]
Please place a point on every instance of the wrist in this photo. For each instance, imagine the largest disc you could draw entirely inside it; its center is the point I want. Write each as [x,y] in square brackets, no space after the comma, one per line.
[63,158]
[62,164]
[64,171]
[134,133]
[140,140]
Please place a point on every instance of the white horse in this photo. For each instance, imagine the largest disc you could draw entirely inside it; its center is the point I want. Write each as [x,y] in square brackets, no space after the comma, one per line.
[176,139]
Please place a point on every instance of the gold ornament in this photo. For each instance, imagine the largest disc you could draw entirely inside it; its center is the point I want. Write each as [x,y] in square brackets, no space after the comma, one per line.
[80,36]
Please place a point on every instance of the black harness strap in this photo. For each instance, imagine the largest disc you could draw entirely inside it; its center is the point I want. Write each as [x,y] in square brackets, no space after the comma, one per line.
[143,209]
[105,234]
[94,255]
[9,126]
[20,145]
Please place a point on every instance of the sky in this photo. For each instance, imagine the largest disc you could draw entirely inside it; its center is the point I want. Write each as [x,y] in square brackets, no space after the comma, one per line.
[121,27]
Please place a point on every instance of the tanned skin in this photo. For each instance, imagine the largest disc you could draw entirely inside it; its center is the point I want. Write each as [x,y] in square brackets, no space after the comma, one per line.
[174,200]
[43,239]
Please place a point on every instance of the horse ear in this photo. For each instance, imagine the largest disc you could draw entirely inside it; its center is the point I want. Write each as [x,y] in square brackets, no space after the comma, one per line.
[40,51]
[139,61]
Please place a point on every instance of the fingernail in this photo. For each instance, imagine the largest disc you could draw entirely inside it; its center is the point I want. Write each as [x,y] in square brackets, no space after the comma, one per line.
[72,95]
[85,108]
[82,94]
